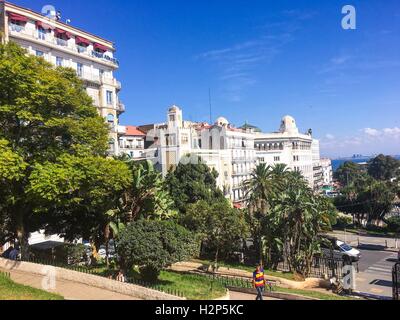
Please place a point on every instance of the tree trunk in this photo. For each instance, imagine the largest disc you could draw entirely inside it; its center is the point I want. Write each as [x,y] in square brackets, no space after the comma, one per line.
[216,261]
[22,237]
[106,240]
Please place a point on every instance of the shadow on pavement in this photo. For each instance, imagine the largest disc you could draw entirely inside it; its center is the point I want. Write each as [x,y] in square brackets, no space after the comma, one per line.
[374,247]
[382,283]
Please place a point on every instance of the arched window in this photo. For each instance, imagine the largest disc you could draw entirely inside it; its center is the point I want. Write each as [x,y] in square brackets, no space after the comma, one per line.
[110,118]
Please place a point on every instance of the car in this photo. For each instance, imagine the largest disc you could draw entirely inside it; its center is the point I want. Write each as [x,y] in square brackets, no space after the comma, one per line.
[340,250]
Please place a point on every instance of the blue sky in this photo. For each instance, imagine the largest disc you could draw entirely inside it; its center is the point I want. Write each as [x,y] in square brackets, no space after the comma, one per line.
[262,60]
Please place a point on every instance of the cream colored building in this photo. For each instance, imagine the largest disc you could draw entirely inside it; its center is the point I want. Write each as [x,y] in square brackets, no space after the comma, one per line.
[63,45]
[228,150]
[300,152]
[131,142]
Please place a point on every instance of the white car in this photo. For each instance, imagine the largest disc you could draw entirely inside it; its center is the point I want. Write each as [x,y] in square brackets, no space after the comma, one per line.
[341,250]
[348,251]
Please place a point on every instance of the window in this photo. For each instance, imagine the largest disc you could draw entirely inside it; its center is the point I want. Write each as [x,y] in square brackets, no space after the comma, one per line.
[79,69]
[59,61]
[276,159]
[110,118]
[109,97]
[39,53]
[41,34]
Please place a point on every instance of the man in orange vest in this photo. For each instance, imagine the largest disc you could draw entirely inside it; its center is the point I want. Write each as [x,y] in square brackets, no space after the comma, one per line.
[259,282]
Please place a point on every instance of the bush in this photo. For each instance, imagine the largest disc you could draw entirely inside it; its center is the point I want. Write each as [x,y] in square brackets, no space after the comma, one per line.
[374,228]
[343,221]
[393,224]
[154,245]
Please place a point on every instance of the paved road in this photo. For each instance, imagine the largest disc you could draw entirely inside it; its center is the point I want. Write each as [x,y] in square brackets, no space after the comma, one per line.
[238,296]
[375,274]
[68,289]
[378,243]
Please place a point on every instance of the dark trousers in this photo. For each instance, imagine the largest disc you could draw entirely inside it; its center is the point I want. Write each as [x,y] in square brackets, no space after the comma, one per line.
[260,291]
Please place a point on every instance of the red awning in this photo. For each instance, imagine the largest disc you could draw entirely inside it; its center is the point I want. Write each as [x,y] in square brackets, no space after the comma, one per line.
[43,25]
[100,47]
[62,34]
[82,41]
[17,17]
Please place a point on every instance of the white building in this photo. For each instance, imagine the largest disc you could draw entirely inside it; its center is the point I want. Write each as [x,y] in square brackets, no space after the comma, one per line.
[290,147]
[63,45]
[131,142]
[228,150]
[327,171]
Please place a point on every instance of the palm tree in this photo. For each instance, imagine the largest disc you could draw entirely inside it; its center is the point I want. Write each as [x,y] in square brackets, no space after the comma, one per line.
[259,190]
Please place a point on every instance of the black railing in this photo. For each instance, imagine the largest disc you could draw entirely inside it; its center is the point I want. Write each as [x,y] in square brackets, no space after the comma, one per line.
[106,274]
[396,281]
[320,267]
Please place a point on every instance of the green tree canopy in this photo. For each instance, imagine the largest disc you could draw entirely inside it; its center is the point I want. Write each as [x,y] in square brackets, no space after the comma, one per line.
[190,183]
[50,131]
[220,226]
[348,172]
[153,245]
[384,167]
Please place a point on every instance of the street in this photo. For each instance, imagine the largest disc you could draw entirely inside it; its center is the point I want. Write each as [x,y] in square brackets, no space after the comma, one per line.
[375,265]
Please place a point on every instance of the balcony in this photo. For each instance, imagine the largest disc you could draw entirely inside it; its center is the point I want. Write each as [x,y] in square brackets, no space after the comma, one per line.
[16,27]
[69,46]
[120,107]
[61,42]
[103,56]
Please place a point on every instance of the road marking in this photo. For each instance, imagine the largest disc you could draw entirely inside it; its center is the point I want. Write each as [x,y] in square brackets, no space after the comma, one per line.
[379,268]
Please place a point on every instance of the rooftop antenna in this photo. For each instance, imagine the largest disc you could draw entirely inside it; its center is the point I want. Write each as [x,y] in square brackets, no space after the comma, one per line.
[209,101]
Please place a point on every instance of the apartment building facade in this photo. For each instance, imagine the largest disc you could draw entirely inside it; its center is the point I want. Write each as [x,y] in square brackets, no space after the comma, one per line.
[131,142]
[228,150]
[290,147]
[63,45]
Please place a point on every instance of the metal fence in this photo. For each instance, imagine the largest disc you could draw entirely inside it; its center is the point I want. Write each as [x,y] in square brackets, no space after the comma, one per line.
[6,275]
[396,281]
[106,274]
[321,267]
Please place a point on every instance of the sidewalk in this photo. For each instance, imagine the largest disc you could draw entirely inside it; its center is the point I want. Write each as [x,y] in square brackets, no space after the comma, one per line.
[69,290]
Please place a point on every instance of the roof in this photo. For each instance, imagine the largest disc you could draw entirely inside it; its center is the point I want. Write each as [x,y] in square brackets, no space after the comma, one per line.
[39,15]
[247,126]
[133,131]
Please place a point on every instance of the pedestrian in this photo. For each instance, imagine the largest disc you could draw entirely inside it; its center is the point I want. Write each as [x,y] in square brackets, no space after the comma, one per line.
[6,254]
[14,254]
[259,281]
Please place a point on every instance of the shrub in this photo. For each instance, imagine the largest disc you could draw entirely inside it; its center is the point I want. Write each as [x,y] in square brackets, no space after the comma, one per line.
[393,224]
[154,245]
[343,221]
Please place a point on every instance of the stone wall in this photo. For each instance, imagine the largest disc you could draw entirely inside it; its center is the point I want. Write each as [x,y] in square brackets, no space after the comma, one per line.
[88,279]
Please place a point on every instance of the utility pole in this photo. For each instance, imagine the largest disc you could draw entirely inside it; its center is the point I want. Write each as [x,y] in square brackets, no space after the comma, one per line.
[209,101]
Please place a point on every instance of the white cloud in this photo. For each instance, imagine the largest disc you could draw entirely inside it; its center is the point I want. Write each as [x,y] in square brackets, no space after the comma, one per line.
[330,136]
[368,141]
[371,132]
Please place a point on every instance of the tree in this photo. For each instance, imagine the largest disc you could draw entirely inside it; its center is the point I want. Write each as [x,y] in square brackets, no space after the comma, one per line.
[288,216]
[384,167]
[190,183]
[348,172]
[77,194]
[46,116]
[147,197]
[220,226]
[153,245]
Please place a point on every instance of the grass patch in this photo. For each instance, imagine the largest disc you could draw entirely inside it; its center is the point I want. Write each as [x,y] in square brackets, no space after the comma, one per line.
[9,290]
[193,287]
[313,294]
[243,267]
